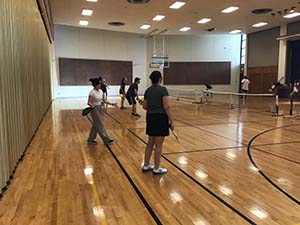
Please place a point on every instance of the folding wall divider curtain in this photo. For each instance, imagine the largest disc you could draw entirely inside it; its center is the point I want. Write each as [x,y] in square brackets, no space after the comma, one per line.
[25,91]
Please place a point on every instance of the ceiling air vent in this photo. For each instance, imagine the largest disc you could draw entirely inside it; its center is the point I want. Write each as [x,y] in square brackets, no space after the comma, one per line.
[116,24]
[210,29]
[138,1]
[262,11]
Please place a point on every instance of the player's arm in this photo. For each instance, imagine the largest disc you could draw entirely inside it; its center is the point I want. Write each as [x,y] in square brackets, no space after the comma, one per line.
[167,109]
[90,101]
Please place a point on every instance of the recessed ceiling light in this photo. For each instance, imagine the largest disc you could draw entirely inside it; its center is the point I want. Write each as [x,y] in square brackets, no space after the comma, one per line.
[185,29]
[177,5]
[158,18]
[204,20]
[87,12]
[145,26]
[230,9]
[292,15]
[235,31]
[261,24]
[83,22]
[92,0]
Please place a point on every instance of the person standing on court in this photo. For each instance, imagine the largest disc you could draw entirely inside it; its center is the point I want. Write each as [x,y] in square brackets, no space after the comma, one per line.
[122,92]
[131,94]
[158,122]
[104,87]
[95,101]
[245,85]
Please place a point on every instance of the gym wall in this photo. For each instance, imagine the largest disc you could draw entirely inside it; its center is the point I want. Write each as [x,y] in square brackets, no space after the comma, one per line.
[263,58]
[24,79]
[94,44]
[204,49]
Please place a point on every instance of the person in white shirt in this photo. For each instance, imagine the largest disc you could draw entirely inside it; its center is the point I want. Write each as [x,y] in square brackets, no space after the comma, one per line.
[96,100]
[245,85]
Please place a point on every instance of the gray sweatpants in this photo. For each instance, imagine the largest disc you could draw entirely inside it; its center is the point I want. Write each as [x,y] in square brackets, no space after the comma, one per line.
[98,126]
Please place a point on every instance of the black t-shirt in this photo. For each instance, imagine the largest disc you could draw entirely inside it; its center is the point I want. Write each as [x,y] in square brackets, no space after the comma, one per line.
[154,96]
[104,88]
[122,87]
[131,89]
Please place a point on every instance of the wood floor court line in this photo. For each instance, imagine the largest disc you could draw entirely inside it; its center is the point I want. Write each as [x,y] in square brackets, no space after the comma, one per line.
[202,186]
[259,169]
[281,157]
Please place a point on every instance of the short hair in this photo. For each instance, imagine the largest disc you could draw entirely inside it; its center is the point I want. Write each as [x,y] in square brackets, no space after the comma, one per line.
[136,79]
[155,76]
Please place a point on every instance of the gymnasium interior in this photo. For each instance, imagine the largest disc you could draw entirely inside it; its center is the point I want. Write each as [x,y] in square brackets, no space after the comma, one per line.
[233,156]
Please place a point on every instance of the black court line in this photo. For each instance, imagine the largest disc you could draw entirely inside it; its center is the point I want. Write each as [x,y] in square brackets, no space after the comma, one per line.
[207,131]
[202,186]
[261,172]
[237,107]
[277,143]
[112,117]
[139,193]
[298,132]
[278,156]
[203,150]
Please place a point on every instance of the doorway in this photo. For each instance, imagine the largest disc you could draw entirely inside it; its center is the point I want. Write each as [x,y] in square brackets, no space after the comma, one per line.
[293,61]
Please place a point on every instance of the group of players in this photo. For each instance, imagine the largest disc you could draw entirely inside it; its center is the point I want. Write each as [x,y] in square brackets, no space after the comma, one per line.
[131,95]
[158,115]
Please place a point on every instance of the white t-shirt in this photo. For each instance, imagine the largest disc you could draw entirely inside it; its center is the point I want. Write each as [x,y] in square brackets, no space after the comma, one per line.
[245,84]
[97,96]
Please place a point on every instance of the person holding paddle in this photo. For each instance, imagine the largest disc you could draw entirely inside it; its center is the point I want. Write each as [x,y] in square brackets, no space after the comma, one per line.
[95,101]
[158,122]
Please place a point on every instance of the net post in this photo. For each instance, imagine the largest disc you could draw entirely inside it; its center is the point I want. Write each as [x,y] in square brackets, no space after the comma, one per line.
[277,105]
[201,97]
[231,101]
[291,104]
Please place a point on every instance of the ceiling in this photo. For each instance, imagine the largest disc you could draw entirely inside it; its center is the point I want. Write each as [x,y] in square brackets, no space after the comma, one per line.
[68,12]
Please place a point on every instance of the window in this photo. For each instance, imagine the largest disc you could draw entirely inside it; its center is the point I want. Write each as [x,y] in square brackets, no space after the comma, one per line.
[243,49]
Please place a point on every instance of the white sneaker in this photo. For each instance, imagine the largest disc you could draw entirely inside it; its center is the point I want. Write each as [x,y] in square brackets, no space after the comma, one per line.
[147,168]
[160,170]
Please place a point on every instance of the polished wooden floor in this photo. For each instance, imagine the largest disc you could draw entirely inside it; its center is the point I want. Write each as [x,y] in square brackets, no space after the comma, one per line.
[232,166]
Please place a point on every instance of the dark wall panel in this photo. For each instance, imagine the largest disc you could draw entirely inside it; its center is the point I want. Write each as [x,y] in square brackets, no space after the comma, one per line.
[263,48]
[79,71]
[293,28]
[189,73]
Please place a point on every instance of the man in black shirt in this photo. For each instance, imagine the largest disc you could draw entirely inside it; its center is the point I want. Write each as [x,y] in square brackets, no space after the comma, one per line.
[131,94]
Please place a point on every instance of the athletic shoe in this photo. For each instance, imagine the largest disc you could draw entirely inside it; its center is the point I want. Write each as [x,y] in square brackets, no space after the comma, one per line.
[147,168]
[160,170]
[91,142]
[135,114]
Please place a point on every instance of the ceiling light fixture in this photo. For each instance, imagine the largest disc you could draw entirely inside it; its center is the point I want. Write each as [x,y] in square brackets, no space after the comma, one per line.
[158,18]
[204,20]
[292,15]
[87,12]
[145,26]
[177,5]
[235,31]
[261,24]
[185,29]
[92,0]
[83,22]
[230,9]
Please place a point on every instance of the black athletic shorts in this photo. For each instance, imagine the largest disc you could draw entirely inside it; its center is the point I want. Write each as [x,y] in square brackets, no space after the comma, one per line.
[157,124]
[131,100]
